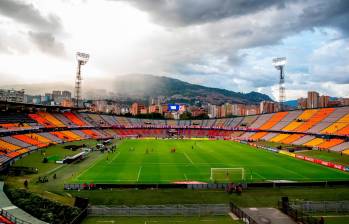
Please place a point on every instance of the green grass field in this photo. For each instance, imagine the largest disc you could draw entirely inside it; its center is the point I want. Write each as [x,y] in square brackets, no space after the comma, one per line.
[334,157]
[152,161]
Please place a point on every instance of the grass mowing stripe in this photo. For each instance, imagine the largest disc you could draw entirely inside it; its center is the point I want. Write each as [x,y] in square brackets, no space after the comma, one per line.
[89,167]
[159,165]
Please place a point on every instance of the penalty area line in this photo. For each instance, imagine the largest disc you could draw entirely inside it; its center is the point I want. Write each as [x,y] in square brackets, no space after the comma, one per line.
[139,172]
[186,155]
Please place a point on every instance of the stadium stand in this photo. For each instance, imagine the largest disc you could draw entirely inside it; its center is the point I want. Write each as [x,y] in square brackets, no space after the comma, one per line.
[299,120]
[65,120]
[321,128]
[303,140]
[291,116]
[314,142]
[50,136]
[338,125]
[258,136]
[247,121]
[29,140]
[316,118]
[262,119]
[330,119]
[8,146]
[74,119]
[49,117]
[279,137]
[39,138]
[269,136]
[292,138]
[15,141]
[273,120]
[340,147]
[41,120]
[330,143]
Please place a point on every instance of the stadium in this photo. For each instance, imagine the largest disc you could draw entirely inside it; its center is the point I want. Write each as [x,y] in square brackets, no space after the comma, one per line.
[174,112]
[66,155]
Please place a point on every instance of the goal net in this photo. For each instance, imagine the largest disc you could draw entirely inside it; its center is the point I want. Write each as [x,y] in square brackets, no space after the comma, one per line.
[224,175]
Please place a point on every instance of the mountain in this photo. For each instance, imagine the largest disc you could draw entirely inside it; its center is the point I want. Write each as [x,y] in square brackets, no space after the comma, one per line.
[291,103]
[143,87]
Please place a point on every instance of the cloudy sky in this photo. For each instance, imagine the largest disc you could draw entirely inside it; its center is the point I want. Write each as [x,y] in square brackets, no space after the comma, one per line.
[220,43]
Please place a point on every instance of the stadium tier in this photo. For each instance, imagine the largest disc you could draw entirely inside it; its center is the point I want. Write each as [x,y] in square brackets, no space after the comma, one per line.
[273,121]
[324,128]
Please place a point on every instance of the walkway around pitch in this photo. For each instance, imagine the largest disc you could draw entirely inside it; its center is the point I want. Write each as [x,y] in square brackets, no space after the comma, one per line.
[6,204]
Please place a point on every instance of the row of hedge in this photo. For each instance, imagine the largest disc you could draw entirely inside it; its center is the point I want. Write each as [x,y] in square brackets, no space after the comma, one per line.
[42,208]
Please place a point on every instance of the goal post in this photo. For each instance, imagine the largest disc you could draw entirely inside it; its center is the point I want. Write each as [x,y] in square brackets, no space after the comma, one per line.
[225,175]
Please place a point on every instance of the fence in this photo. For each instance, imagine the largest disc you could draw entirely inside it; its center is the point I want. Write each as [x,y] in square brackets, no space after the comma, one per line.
[296,214]
[241,214]
[321,206]
[161,210]
[12,218]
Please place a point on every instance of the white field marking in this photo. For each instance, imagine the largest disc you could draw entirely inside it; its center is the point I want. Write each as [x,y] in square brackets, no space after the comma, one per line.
[112,221]
[186,155]
[90,166]
[139,172]
[254,172]
[114,158]
[185,176]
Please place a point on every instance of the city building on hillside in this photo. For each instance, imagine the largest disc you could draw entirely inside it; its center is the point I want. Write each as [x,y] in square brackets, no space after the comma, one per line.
[323,101]
[137,108]
[268,107]
[313,99]
[302,103]
[154,108]
[12,95]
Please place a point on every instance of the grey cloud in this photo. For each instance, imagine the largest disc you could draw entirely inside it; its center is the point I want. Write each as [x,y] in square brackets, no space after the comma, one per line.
[188,12]
[44,28]
[29,15]
[47,43]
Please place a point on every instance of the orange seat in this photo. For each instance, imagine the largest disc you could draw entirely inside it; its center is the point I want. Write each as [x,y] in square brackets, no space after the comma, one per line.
[273,120]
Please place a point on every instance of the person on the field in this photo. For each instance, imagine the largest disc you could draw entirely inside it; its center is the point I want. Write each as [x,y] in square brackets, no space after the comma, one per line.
[26,183]
[322,221]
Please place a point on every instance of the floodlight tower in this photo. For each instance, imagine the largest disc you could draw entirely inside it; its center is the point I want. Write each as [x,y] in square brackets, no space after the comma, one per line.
[279,64]
[82,59]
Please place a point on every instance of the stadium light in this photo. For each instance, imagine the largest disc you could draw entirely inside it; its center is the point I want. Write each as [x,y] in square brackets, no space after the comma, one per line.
[279,64]
[82,59]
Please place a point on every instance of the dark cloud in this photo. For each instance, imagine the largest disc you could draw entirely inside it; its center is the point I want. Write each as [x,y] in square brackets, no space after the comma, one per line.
[44,28]
[29,15]
[188,12]
[333,13]
[47,43]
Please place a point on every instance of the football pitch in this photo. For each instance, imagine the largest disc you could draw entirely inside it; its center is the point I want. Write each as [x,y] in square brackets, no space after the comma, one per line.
[176,161]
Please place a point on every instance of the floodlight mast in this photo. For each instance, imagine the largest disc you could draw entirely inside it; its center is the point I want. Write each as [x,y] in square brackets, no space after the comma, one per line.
[82,59]
[279,64]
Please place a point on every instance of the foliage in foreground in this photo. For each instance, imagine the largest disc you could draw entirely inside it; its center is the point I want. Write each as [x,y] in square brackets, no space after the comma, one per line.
[41,208]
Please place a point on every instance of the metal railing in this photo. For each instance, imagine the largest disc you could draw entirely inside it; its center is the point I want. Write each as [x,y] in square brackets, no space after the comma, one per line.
[11,218]
[296,214]
[161,210]
[321,206]
[241,214]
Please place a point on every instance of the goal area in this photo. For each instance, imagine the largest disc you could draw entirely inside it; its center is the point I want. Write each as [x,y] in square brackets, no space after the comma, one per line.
[225,175]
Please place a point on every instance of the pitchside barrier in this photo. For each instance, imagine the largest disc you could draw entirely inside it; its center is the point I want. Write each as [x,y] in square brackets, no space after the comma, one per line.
[321,206]
[220,186]
[161,210]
